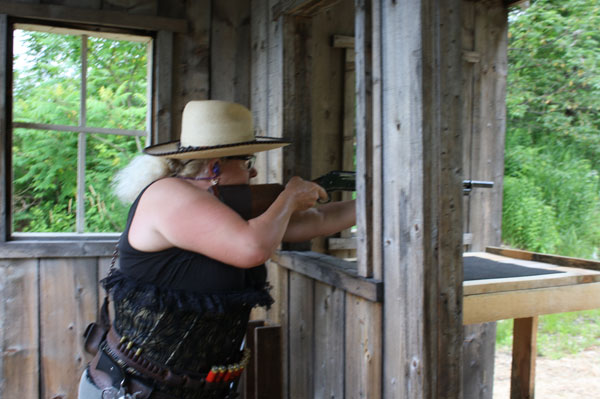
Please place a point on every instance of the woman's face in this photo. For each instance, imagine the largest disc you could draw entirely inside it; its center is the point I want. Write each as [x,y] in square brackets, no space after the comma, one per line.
[237,170]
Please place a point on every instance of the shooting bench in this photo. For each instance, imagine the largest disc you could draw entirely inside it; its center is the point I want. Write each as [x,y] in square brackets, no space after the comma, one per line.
[526,285]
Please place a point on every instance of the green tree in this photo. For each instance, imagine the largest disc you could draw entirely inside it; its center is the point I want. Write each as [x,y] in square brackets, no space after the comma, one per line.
[46,89]
[552,193]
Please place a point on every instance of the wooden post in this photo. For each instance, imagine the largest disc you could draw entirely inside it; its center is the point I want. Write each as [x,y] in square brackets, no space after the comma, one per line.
[522,380]
[422,198]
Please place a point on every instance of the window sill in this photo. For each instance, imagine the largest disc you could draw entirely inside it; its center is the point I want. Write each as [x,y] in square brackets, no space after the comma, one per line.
[58,246]
[331,270]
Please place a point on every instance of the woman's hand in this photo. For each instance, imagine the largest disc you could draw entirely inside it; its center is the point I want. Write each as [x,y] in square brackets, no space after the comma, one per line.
[304,194]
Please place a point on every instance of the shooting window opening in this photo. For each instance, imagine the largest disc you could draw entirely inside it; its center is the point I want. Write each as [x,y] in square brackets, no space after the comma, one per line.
[80,111]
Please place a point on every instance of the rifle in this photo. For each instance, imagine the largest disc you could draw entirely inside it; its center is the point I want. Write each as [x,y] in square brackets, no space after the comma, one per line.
[258,197]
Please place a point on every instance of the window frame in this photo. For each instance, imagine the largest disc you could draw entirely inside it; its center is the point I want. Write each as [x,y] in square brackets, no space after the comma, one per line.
[161,29]
[82,129]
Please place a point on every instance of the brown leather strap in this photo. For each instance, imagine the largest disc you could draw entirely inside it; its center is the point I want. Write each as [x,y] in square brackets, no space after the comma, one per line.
[133,357]
[104,380]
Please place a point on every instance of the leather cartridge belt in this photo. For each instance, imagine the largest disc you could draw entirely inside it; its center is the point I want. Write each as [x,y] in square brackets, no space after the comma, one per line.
[118,355]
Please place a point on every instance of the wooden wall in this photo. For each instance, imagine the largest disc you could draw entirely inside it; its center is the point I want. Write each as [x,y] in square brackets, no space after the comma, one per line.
[46,305]
[484,41]
[331,318]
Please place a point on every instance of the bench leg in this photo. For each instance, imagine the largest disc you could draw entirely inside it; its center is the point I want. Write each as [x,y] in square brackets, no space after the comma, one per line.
[522,382]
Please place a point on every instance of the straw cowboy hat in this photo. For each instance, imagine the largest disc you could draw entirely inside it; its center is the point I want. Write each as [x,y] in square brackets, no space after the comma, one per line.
[215,129]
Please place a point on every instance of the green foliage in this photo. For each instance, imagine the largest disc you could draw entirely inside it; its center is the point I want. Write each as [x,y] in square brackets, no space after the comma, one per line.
[552,188]
[47,90]
[559,334]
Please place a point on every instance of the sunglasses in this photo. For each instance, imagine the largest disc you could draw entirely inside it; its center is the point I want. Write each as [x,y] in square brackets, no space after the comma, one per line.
[249,160]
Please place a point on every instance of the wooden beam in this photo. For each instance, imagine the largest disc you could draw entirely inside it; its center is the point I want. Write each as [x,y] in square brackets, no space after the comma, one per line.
[545,258]
[524,356]
[333,271]
[92,17]
[5,136]
[56,249]
[341,41]
[302,8]
[421,93]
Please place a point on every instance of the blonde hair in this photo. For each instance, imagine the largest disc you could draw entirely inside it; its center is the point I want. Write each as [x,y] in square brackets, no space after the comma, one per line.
[129,182]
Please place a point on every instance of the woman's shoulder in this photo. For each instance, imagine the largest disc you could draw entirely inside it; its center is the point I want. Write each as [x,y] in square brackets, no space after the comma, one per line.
[173,189]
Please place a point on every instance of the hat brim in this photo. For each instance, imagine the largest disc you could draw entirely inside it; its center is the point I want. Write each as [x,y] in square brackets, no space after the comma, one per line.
[173,150]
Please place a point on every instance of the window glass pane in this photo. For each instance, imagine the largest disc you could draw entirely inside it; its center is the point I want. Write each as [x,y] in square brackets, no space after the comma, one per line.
[116,84]
[46,78]
[44,181]
[105,155]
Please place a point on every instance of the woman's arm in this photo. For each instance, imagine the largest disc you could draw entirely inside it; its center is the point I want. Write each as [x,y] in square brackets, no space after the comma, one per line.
[321,221]
[172,212]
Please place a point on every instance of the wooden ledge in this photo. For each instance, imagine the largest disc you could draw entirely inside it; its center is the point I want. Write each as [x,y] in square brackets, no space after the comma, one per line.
[117,19]
[56,249]
[331,270]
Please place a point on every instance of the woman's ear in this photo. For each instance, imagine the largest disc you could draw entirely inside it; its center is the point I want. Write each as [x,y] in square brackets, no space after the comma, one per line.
[215,166]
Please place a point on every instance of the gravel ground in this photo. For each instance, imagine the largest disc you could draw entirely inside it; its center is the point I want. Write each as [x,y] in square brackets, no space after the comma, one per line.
[571,377]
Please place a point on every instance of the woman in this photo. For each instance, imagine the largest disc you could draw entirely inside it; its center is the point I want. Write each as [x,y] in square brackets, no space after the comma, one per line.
[192,261]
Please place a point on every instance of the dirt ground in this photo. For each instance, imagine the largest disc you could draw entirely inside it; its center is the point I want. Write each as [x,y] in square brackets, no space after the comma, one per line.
[573,377]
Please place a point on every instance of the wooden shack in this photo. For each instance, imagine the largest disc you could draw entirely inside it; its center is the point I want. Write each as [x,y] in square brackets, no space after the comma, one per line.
[415,88]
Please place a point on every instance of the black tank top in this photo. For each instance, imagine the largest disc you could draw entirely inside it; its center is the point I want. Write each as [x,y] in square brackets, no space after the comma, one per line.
[179,269]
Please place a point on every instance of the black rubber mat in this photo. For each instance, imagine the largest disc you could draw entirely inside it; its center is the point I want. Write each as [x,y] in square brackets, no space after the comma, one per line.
[476,268]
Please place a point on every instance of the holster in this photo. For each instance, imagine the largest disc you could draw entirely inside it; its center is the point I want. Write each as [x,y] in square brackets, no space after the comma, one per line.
[96,332]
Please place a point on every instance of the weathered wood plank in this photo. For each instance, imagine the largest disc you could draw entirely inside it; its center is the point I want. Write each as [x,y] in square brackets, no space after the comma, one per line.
[118,19]
[377,143]
[251,371]
[524,355]
[146,7]
[19,329]
[230,51]
[327,93]
[364,139]
[333,271]
[545,258]
[329,341]
[5,136]
[56,249]
[421,150]
[279,314]
[363,348]
[259,79]
[301,336]
[268,362]
[191,61]
[163,82]
[304,8]
[531,302]
[68,302]
[488,122]
[482,33]
[275,51]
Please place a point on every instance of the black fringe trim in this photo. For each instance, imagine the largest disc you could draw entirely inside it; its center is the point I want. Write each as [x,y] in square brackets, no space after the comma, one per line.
[157,298]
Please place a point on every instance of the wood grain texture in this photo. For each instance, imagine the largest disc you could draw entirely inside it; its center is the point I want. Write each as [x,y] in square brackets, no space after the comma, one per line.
[327,94]
[364,139]
[5,134]
[268,362]
[363,349]
[530,302]
[524,355]
[191,61]
[68,302]
[333,271]
[422,157]
[301,337]
[19,328]
[546,258]
[230,51]
[329,341]
[72,14]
